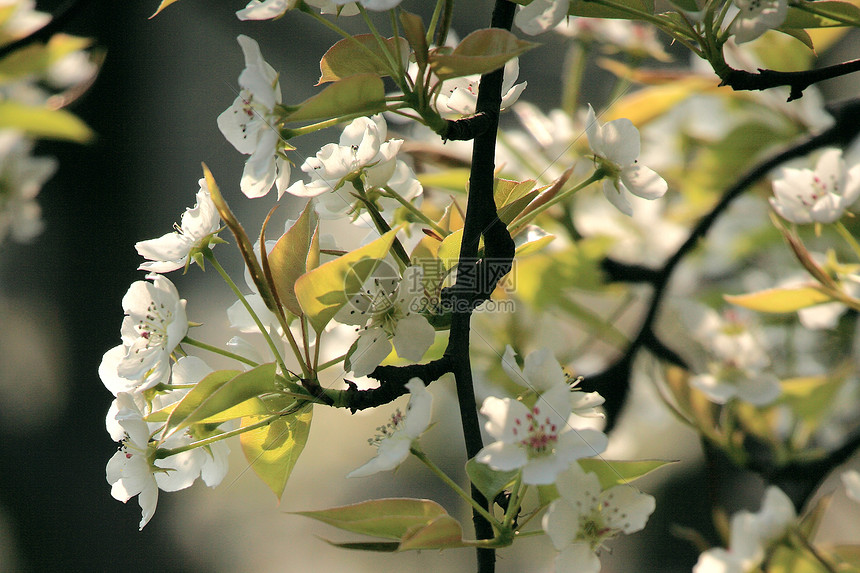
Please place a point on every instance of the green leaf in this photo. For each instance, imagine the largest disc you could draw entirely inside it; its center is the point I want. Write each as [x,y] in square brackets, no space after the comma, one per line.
[590,9]
[799,34]
[811,398]
[620,472]
[164,4]
[324,290]
[444,532]
[350,57]
[390,518]
[272,451]
[359,94]
[250,407]
[822,14]
[531,240]
[489,482]
[454,179]
[218,392]
[289,257]
[416,35]
[480,52]
[449,250]
[780,299]
[380,546]
[41,122]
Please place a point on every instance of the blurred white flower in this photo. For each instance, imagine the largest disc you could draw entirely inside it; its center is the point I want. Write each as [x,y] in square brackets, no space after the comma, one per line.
[851,481]
[459,96]
[541,15]
[21,179]
[755,17]
[805,196]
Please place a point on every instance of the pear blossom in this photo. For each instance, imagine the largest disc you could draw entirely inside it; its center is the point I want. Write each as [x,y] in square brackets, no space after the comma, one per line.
[171,251]
[155,323]
[21,179]
[584,517]
[362,153]
[541,15]
[251,125]
[541,373]
[805,196]
[616,149]
[751,534]
[135,470]
[388,310]
[737,362]
[539,439]
[395,439]
[851,481]
[755,17]
[459,96]
[270,9]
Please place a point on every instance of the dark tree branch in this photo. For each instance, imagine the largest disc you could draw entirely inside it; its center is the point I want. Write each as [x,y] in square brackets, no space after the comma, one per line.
[470,127]
[798,81]
[613,383]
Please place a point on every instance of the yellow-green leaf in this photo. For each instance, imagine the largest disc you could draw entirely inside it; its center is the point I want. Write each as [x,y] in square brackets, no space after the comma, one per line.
[780,299]
[390,518]
[362,93]
[444,532]
[822,14]
[289,258]
[41,122]
[272,451]
[620,472]
[589,9]
[324,290]
[480,52]
[360,54]
[164,4]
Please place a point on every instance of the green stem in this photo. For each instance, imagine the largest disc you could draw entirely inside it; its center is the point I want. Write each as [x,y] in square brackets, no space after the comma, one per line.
[289,133]
[416,211]
[331,363]
[514,502]
[849,238]
[434,20]
[574,67]
[343,33]
[263,330]
[457,489]
[221,351]
[518,224]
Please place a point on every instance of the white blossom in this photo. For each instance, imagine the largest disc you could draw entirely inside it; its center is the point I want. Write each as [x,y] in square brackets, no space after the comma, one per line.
[395,439]
[171,251]
[851,481]
[584,517]
[251,125]
[755,17]
[821,196]
[21,179]
[541,15]
[616,149]
[378,5]
[459,96]
[388,310]
[751,534]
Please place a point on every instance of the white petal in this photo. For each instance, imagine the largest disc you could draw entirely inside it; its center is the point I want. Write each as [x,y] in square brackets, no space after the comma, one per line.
[373,347]
[413,336]
[260,169]
[561,523]
[541,15]
[391,454]
[216,465]
[577,558]
[543,470]
[503,457]
[716,390]
[256,10]
[620,142]
[420,408]
[577,444]
[543,371]
[627,508]
[851,481]
[643,182]
[760,390]
[615,193]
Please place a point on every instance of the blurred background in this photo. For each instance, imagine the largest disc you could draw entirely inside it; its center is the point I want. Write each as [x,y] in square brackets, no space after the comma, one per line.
[153,106]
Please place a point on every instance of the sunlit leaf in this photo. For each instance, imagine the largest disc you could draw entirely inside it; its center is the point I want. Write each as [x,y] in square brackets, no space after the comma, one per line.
[531,240]
[811,397]
[416,35]
[442,533]
[480,52]
[594,10]
[489,482]
[362,93]
[164,4]
[390,518]
[352,56]
[288,260]
[218,392]
[780,299]
[272,450]
[44,123]
[454,179]
[821,14]
[620,472]
[449,250]
[322,291]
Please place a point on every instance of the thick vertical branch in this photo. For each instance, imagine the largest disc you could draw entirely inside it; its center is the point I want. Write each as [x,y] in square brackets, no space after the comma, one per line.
[481,220]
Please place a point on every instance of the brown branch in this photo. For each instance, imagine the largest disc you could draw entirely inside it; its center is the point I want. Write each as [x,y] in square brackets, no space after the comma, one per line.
[740,80]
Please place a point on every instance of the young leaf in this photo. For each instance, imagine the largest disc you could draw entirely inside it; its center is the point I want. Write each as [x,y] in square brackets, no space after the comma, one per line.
[442,533]
[272,451]
[620,472]
[164,4]
[359,94]
[360,54]
[390,518]
[780,299]
[416,35]
[218,392]
[489,481]
[822,14]
[480,52]
[289,258]
[44,123]
[324,290]
[594,10]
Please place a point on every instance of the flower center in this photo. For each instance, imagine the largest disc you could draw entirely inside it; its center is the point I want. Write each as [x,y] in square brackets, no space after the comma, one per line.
[539,434]
[395,422]
[153,326]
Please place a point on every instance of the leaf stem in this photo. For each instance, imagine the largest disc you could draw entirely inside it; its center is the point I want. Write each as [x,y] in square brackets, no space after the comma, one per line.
[221,351]
[517,224]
